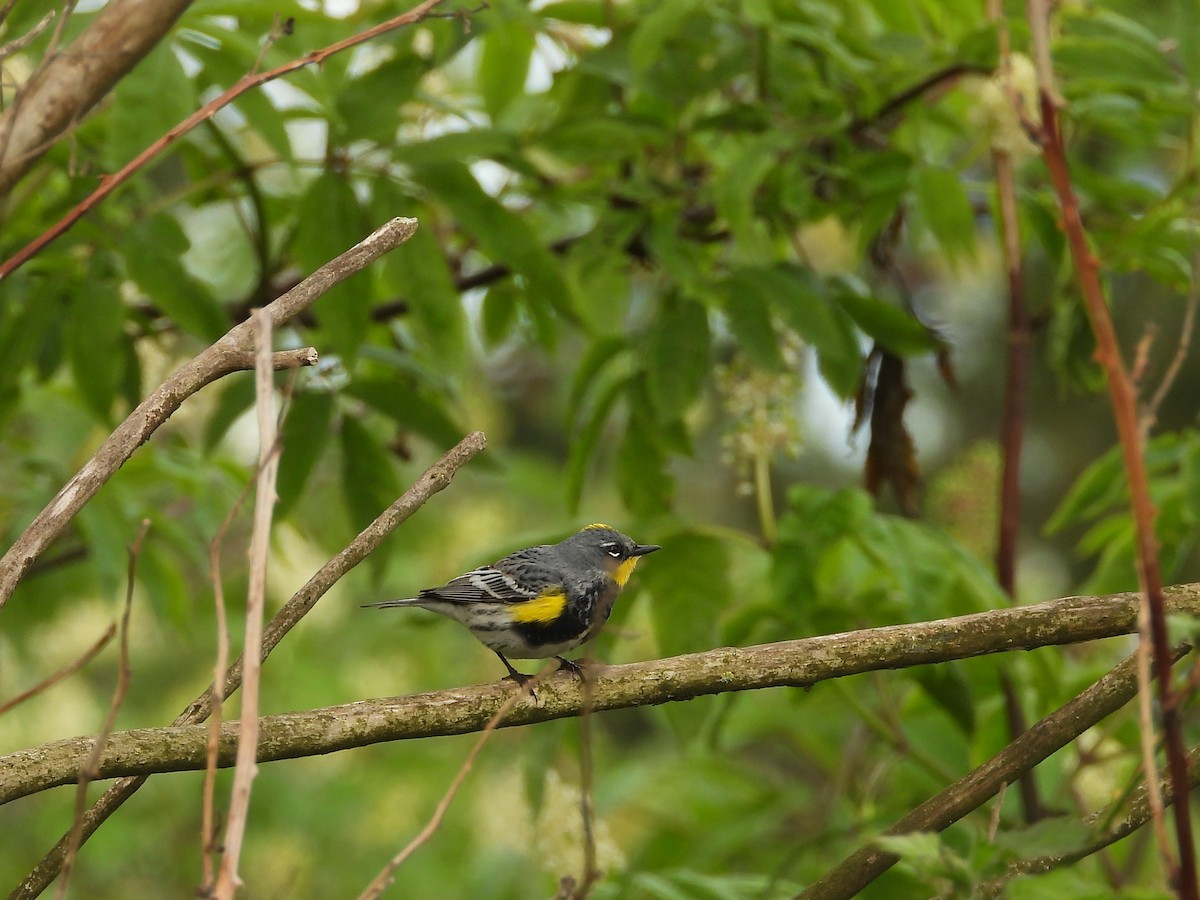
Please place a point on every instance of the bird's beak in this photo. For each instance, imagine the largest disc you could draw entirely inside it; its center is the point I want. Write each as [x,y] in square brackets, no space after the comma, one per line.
[643,549]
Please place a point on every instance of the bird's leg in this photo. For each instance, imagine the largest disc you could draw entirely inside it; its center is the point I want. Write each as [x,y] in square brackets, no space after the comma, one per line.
[513,673]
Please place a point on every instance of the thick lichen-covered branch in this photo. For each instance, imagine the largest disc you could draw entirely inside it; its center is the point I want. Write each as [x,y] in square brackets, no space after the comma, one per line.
[799,663]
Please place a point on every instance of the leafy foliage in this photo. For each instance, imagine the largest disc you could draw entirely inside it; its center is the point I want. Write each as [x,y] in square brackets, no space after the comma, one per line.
[617,202]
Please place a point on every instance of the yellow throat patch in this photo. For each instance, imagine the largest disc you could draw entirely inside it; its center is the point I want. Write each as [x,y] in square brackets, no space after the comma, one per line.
[624,570]
[546,607]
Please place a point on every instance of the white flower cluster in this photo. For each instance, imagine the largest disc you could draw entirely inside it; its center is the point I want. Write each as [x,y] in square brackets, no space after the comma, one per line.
[761,407]
[1003,101]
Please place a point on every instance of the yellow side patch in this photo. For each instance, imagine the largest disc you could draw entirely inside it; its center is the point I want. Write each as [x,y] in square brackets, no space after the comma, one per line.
[624,570]
[543,608]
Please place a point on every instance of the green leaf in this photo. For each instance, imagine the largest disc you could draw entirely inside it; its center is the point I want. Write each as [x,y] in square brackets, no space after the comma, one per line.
[595,360]
[678,358]
[1098,488]
[503,235]
[470,145]
[946,210]
[147,103]
[823,323]
[95,346]
[25,324]
[689,578]
[499,312]
[734,190]
[154,250]
[408,407]
[303,437]
[645,486]
[368,483]
[344,312]
[747,305]
[659,25]
[1049,837]
[923,848]
[370,105]
[504,64]
[417,272]
[949,688]
[235,398]
[585,441]
[896,329]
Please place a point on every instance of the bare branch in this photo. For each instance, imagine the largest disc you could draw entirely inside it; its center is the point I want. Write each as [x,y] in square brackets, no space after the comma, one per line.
[1150,413]
[228,880]
[1056,730]
[384,879]
[88,771]
[16,45]
[229,354]
[66,671]
[1123,399]
[210,109]
[799,663]
[1114,825]
[436,478]
[70,83]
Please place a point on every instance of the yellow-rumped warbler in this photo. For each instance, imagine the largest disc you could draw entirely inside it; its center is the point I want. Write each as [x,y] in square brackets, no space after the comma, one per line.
[541,601]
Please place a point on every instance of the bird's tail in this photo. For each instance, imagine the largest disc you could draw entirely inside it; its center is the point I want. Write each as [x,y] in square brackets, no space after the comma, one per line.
[385,604]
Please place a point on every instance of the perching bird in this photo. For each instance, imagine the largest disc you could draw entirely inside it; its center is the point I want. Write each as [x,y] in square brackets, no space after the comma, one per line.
[541,601]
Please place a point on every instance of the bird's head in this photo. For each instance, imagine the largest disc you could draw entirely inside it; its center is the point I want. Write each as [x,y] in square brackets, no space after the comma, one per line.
[608,550]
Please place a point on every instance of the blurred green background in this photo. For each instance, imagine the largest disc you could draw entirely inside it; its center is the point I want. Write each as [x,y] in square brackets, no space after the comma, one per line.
[658,245]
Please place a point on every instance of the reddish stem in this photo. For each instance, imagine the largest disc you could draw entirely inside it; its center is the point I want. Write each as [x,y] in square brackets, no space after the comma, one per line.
[1124,403]
[109,183]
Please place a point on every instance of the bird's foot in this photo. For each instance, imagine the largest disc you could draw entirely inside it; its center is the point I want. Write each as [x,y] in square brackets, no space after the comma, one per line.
[569,665]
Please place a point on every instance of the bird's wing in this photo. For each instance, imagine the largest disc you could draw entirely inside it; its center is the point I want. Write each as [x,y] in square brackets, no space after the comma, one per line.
[487,584]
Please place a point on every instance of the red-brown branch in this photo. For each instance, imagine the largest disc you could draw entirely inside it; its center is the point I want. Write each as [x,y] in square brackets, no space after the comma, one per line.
[1124,403]
[210,109]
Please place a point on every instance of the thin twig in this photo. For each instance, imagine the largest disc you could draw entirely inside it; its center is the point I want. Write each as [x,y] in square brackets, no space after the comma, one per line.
[1112,830]
[436,478]
[1150,413]
[16,45]
[228,880]
[90,769]
[208,837]
[1146,728]
[387,875]
[1123,399]
[1014,416]
[208,832]
[587,777]
[1056,730]
[59,30]
[65,672]
[210,109]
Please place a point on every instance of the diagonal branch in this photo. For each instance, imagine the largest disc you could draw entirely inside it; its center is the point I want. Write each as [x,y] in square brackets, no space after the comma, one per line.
[232,352]
[70,83]
[436,478]
[1111,824]
[1123,399]
[799,663]
[1053,732]
[210,109]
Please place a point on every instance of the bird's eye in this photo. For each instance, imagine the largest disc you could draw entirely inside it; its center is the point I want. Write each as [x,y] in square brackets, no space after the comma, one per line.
[612,549]
[615,553]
